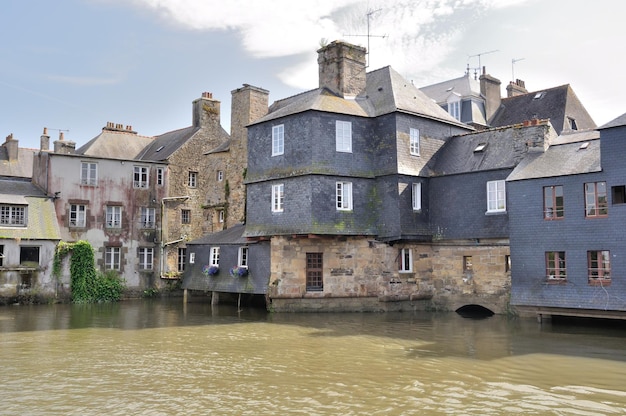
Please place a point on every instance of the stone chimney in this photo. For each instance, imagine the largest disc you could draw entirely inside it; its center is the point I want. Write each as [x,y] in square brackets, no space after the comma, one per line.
[342,68]
[44,141]
[248,104]
[490,89]
[516,88]
[64,147]
[206,111]
[12,147]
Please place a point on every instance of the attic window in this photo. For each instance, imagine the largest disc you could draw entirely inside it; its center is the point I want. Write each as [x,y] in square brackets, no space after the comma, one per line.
[480,147]
[584,145]
[539,95]
[160,148]
[572,123]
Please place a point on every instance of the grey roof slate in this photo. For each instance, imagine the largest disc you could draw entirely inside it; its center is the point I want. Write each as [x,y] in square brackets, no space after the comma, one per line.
[22,167]
[232,235]
[464,86]
[559,160]
[619,121]
[165,144]
[386,91]
[112,144]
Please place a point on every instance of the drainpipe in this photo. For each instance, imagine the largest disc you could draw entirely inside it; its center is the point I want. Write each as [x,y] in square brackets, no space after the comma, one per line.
[163,226]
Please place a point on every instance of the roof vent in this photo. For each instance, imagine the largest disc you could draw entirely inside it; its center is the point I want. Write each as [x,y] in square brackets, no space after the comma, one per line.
[159,149]
[584,145]
[539,95]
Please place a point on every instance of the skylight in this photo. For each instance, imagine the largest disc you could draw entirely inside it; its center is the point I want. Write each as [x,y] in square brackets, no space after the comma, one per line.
[480,147]
[160,148]
[539,95]
[584,145]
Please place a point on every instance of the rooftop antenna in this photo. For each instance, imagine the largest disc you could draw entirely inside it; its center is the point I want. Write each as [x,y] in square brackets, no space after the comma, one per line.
[513,61]
[369,16]
[60,131]
[479,65]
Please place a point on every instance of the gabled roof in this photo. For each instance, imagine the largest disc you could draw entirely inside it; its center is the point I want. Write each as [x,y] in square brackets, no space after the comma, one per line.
[164,145]
[386,92]
[42,221]
[22,167]
[560,160]
[232,235]
[554,104]
[464,86]
[112,144]
[618,122]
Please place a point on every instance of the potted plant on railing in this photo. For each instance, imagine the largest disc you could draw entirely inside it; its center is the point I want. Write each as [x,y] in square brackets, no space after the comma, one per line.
[210,270]
[239,271]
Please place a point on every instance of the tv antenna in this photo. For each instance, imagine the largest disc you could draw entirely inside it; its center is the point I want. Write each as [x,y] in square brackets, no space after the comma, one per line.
[479,67]
[369,17]
[61,131]
[513,61]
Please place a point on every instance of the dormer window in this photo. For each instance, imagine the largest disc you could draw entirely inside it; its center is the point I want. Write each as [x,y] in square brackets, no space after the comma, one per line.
[572,123]
[454,106]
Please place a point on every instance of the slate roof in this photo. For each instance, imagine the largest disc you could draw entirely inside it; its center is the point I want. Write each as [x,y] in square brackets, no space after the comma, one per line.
[553,104]
[464,86]
[618,122]
[42,221]
[112,144]
[559,160]
[232,235]
[164,145]
[22,167]
[386,91]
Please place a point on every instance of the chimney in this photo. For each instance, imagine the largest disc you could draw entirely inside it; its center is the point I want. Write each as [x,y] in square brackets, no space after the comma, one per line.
[44,141]
[64,147]
[342,68]
[12,147]
[248,104]
[206,110]
[490,89]
[516,88]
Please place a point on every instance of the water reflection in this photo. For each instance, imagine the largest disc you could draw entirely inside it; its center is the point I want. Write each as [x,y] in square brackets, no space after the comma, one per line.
[160,357]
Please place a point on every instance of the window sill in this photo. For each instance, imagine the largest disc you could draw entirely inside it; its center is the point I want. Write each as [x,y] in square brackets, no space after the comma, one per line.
[559,281]
[503,212]
[599,282]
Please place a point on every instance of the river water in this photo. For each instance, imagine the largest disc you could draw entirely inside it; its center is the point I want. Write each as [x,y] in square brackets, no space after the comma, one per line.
[149,357]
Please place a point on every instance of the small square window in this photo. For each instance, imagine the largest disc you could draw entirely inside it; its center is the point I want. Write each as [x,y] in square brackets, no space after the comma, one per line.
[619,194]
[468,265]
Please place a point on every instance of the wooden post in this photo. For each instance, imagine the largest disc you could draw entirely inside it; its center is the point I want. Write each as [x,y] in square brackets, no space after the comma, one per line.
[185,296]
[215,298]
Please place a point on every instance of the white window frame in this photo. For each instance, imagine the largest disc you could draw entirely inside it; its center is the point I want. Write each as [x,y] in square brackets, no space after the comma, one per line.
[414,141]
[242,257]
[113,216]
[141,177]
[148,217]
[192,258]
[416,196]
[78,215]
[146,258]
[193,179]
[278,140]
[454,106]
[343,196]
[13,215]
[89,173]
[159,176]
[278,197]
[112,258]
[343,136]
[406,260]
[496,196]
[214,259]
[220,215]
[220,175]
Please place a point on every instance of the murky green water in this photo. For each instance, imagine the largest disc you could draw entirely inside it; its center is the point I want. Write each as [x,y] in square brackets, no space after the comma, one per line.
[160,358]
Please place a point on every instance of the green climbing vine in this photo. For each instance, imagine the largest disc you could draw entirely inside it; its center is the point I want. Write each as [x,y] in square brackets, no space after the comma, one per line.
[88,284]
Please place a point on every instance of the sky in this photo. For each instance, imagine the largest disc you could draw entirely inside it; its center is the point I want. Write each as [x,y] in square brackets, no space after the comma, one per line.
[74,65]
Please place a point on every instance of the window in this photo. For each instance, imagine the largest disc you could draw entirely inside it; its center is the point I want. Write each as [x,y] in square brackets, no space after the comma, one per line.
[277,197]
[1,255]
[405,260]
[343,141]
[507,263]
[314,272]
[147,217]
[185,216]
[454,107]
[146,256]
[140,177]
[113,217]
[89,173]
[29,255]
[496,196]
[344,196]
[112,258]
[12,215]
[599,263]
[595,200]
[182,253]
[78,215]
[159,176]
[278,140]
[555,265]
[192,258]
[553,202]
[220,175]
[242,260]
[572,123]
[215,256]
[220,215]
[468,265]
[416,196]
[619,194]
[193,179]
[414,142]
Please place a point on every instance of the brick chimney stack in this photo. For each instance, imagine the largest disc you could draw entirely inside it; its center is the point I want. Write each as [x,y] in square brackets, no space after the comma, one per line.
[516,88]
[490,89]
[12,147]
[206,111]
[342,68]
[62,146]
[44,141]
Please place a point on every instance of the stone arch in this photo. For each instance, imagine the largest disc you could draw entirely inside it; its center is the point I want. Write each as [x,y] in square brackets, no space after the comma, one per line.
[474,311]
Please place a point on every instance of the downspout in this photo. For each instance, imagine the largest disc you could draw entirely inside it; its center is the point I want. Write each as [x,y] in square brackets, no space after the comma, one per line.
[164,226]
